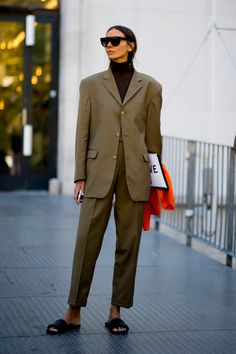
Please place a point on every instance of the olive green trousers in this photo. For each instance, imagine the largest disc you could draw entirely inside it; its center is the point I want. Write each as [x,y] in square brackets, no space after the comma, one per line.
[94,217]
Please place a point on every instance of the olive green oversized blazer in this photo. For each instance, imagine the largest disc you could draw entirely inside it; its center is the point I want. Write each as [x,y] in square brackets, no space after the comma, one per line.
[102,118]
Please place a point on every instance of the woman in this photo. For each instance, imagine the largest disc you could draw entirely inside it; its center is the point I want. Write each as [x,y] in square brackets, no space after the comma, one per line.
[118,124]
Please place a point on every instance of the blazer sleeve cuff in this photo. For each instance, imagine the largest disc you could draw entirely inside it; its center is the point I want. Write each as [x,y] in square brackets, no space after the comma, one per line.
[79,178]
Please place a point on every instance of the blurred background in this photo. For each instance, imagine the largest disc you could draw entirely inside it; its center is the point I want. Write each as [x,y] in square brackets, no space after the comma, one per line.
[48,46]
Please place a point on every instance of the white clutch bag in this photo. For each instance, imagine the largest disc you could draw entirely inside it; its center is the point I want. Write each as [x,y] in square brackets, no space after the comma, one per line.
[158,179]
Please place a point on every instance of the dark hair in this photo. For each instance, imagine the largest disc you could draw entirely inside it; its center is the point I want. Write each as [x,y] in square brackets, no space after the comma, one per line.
[130,35]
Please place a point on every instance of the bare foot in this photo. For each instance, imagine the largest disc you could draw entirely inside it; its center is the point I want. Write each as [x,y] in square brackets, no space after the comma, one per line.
[115,313]
[72,316]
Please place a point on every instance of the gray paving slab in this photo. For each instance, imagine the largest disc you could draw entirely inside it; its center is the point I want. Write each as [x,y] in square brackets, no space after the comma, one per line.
[185,302]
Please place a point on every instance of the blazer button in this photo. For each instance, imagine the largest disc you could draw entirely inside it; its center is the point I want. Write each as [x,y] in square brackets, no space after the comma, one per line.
[122,113]
[117,134]
[114,157]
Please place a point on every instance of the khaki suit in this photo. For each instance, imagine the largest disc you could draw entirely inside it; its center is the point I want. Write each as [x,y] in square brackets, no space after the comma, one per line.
[112,143]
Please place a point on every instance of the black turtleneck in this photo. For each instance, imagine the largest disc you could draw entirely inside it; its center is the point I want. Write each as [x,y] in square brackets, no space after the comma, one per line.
[123,73]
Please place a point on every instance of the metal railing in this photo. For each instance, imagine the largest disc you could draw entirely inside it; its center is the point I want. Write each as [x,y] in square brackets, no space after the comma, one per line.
[203,177]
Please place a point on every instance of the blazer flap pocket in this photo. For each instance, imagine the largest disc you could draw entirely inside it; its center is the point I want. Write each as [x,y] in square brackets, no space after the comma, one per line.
[145,156]
[92,154]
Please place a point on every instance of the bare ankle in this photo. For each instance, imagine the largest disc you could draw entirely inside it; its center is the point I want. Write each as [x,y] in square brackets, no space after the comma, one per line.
[72,315]
[114,311]
[74,310]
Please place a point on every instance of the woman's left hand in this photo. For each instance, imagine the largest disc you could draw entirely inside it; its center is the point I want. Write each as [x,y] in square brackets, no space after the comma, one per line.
[79,188]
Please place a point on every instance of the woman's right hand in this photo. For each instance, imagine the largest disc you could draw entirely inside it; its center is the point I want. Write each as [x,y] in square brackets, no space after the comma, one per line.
[79,188]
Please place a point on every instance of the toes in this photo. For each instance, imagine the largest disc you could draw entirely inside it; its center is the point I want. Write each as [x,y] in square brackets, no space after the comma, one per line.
[119,329]
[52,329]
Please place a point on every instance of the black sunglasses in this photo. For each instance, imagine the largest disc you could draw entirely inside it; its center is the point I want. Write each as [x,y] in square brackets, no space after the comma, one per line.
[115,41]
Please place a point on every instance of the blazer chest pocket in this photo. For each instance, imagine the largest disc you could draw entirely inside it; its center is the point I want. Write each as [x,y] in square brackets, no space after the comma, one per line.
[92,154]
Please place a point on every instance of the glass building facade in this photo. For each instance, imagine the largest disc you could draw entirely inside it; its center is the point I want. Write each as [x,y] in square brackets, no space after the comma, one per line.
[29,40]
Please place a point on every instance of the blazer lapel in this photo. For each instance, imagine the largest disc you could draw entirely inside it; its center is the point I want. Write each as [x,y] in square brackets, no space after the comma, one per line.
[110,84]
[134,86]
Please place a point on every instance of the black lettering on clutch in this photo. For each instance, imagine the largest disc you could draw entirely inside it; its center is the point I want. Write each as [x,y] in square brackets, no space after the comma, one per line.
[153,169]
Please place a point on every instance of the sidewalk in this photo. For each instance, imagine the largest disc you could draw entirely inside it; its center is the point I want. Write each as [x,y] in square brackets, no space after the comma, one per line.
[184,301]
